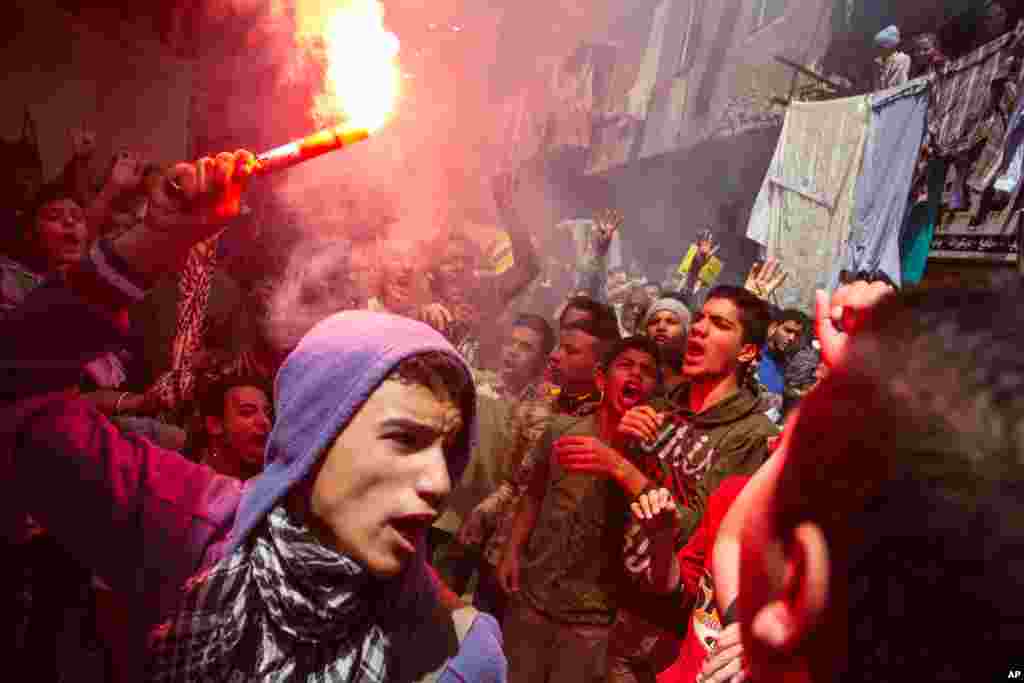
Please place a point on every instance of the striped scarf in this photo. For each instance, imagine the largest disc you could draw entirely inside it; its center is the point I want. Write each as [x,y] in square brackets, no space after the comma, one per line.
[280,608]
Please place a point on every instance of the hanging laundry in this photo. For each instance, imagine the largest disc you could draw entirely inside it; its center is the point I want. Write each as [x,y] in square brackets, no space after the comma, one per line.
[1005,172]
[962,94]
[919,226]
[802,213]
[898,118]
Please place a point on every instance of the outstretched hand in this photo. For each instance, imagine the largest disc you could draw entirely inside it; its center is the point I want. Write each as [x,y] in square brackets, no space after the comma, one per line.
[837,320]
[607,223]
[765,278]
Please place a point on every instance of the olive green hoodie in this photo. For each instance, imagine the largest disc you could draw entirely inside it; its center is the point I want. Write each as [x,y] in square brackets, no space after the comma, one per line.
[694,452]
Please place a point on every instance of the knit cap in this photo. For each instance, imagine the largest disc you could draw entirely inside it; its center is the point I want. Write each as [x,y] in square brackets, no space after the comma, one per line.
[667,304]
[888,37]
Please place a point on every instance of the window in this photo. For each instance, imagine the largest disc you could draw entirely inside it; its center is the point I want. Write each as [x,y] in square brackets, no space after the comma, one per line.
[767,11]
[691,36]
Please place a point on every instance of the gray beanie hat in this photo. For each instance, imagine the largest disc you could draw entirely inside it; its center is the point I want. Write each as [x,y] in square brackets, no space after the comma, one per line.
[667,304]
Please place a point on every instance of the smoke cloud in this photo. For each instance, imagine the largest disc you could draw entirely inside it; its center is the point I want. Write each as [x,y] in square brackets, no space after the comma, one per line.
[427,173]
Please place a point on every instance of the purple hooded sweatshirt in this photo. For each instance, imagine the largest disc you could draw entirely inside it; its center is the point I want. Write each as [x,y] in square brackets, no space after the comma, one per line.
[146,519]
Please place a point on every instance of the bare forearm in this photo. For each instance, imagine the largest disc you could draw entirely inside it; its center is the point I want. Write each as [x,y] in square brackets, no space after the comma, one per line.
[525,263]
[664,570]
[111,402]
[153,253]
[523,522]
[629,478]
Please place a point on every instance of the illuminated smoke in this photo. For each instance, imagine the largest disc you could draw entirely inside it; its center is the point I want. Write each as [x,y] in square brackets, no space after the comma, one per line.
[315,285]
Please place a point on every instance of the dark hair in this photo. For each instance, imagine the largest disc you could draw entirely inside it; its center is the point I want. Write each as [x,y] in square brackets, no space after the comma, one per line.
[210,395]
[638,342]
[428,368]
[539,325]
[754,313]
[791,315]
[910,458]
[605,331]
[595,309]
[431,368]
[47,194]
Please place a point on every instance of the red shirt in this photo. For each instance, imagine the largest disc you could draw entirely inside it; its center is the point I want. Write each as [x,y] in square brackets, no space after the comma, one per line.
[695,573]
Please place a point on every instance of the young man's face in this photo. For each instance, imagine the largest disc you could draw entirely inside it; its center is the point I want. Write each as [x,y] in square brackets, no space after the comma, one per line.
[454,263]
[782,338]
[61,233]
[398,277]
[629,381]
[666,329]
[385,478]
[704,247]
[522,358]
[574,359]
[574,315]
[715,346]
[245,426]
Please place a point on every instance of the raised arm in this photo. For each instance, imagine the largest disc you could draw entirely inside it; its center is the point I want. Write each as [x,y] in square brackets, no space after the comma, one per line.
[525,262]
[131,511]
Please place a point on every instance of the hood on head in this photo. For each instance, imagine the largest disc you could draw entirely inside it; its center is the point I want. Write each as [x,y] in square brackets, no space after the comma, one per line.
[321,385]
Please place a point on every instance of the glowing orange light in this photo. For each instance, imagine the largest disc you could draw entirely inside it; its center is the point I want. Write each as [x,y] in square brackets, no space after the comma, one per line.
[362,74]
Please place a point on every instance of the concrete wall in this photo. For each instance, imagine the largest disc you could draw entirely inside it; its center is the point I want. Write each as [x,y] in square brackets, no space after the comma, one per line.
[119,83]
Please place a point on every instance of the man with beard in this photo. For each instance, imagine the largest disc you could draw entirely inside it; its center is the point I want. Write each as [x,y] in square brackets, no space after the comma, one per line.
[562,563]
[668,323]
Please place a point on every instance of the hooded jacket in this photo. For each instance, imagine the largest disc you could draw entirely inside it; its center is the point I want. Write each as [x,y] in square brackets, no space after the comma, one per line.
[143,518]
[693,454]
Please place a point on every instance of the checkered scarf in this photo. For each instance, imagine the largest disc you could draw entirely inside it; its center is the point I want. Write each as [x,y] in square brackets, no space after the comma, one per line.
[281,608]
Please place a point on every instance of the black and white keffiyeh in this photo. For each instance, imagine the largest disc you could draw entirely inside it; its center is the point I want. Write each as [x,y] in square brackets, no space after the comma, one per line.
[280,608]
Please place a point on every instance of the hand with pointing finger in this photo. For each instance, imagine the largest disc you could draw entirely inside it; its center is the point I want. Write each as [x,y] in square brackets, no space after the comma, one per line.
[839,318]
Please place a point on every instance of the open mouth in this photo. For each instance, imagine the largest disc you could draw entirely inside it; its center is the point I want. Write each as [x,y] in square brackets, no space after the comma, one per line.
[632,394]
[412,529]
[661,339]
[694,352]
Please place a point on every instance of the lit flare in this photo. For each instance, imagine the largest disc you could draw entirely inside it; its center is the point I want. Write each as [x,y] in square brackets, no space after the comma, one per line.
[362,77]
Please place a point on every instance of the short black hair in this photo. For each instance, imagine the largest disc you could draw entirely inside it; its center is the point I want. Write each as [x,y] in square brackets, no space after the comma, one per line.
[910,458]
[47,194]
[605,331]
[638,342]
[792,315]
[539,325]
[210,394]
[754,313]
[595,309]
